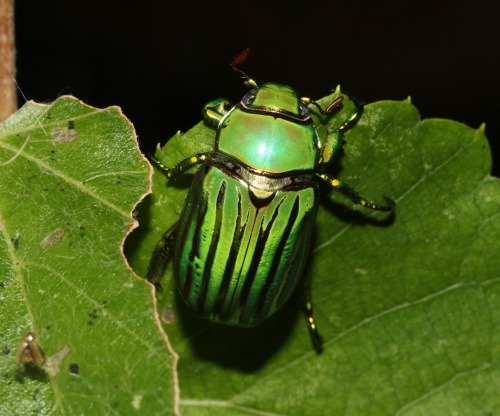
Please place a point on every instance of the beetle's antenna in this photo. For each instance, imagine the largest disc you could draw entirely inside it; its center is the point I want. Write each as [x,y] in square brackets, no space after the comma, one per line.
[237,61]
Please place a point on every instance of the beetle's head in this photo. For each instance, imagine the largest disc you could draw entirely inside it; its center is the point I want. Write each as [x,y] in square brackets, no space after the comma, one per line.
[277,98]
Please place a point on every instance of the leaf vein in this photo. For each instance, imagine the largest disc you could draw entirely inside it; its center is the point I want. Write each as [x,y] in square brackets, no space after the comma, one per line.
[441,387]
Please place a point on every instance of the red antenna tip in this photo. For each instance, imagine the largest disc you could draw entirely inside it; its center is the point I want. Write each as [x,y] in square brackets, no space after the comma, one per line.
[241,57]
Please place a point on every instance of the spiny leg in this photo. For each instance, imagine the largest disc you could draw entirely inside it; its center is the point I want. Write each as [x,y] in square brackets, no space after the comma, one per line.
[353,195]
[335,139]
[183,166]
[316,338]
[351,121]
[163,249]
[161,256]
[214,111]
[307,308]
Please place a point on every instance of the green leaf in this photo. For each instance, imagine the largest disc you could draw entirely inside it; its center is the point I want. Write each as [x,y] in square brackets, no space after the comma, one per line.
[70,176]
[408,306]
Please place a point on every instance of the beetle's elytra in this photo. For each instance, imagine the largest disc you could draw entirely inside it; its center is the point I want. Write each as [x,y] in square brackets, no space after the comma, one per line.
[243,237]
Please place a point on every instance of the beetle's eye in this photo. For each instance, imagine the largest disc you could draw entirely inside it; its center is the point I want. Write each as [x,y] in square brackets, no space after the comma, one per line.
[248,98]
[303,110]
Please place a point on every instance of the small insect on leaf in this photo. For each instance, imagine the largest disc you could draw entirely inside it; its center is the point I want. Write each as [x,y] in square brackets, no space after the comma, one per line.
[52,238]
[29,352]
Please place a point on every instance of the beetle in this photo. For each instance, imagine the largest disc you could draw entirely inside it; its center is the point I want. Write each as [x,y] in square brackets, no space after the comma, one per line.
[244,233]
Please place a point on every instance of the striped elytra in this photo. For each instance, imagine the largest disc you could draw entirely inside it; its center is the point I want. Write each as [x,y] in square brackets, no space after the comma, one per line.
[237,261]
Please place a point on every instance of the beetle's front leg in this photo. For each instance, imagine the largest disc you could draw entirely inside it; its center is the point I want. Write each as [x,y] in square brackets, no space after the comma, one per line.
[352,194]
[183,165]
[332,147]
[335,139]
[215,110]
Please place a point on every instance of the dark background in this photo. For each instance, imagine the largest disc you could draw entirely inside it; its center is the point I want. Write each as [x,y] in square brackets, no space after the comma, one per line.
[161,61]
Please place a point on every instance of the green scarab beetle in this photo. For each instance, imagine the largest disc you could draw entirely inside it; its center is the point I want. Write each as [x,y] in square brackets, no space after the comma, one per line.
[244,234]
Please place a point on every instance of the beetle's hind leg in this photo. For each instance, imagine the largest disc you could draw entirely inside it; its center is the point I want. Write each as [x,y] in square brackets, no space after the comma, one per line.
[307,308]
[161,256]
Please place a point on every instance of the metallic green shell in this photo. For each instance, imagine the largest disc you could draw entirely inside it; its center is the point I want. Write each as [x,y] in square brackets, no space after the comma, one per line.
[238,258]
[270,130]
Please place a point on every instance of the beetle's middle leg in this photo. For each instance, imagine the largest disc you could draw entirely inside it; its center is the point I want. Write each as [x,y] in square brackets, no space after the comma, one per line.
[161,256]
[353,195]
[164,248]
